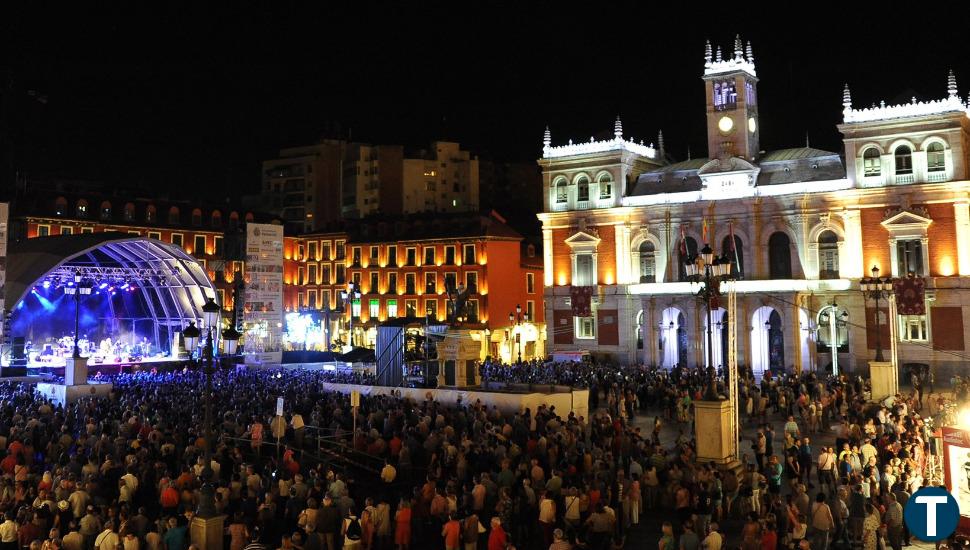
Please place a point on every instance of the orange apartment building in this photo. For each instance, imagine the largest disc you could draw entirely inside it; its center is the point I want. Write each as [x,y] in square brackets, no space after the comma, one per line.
[402,269]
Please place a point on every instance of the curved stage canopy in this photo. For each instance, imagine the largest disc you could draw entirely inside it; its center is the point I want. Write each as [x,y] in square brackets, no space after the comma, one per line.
[142,292]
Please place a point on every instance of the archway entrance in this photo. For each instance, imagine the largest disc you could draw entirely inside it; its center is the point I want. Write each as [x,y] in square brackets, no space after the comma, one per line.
[718,336]
[767,340]
[673,337]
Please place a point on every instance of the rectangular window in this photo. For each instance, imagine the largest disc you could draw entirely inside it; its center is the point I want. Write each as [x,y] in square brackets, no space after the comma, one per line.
[91,230]
[155,235]
[311,274]
[374,308]
[341,274]
[530,311]
[449,255]
[606,189]
[375,252]
[199,245]
[374,282]
[530,283]
[299,300]
[912,328]
[177,239]
[411,255]
[431,308]
[355,261]
[356,277]
[909,257]
[430,283]
[312,251]
[311,299]
[43,230]
[469,254]
[392,256]
[472,311]
[341,250]
[67,230]
[299,276]
[585,327]
[451,281]
[325,298]
[391,309]
[410,308]
[325,274]
[217,245]
[429,255]
[325,250]
[584,270]
[409,283]
[392,283]
[299,252]
[471,282]
[355,307]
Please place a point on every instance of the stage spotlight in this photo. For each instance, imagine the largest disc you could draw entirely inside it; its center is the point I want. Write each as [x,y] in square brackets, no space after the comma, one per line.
[47,284]
[103,286]
[124,286]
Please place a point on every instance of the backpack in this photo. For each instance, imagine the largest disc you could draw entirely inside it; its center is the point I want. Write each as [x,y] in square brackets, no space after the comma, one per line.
[353,529]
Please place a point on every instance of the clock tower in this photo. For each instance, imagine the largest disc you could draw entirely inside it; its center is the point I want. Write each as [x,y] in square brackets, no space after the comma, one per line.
[731,87]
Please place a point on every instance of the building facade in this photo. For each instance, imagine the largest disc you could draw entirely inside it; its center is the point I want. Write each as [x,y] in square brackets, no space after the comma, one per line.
[403,268]
[798,226]
[316,186]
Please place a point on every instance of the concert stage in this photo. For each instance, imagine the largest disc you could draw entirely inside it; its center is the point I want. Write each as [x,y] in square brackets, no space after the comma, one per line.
[120,302]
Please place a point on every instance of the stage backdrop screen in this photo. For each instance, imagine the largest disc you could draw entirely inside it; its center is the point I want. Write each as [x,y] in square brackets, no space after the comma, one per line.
[263,317]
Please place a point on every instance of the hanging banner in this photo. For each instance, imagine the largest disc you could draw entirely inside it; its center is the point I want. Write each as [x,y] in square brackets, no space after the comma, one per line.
[262,311]
[581,298]
[910,296]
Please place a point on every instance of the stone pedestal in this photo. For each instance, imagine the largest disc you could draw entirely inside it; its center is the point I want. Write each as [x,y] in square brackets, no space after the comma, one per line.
[75,371]
[885,380]
[206,533]
[458,354]
[712,420]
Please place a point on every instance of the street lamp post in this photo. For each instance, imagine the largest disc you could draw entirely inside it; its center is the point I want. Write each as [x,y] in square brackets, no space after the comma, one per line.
[352,293]
[710,271]
[876,288]
[516,319]
[210,315]
[77,289]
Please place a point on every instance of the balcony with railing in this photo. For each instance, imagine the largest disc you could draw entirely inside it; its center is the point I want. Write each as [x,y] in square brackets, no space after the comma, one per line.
[936,176]
[902,179]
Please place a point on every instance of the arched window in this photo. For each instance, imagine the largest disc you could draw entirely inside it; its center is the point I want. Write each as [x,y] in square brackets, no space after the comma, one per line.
[582,189]
[173,215]
[935,160]
[129,212]
[196,217]
[233,220]
[60,206]
[831,322]
[779,256]
[105,210]
[82,208]
[562,192]
[605,182]
[871,163]
[648,262]
[151,214]
[904,160]
[828,255]
[639,329]
[249,217]
[688,251]
[216,218]
[734,254]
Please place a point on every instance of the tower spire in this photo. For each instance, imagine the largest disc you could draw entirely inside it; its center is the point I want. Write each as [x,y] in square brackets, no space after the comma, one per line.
[618,128]
[546,138]
[717,56]
[846,97]
[951,84]
[738,50]
[707,53]
[660,143]
[749,53]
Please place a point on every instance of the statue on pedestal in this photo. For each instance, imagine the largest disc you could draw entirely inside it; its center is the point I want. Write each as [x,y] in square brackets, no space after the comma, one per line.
[711,393]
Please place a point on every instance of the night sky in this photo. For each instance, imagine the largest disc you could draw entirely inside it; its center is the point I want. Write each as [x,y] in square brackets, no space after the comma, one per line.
[193,102]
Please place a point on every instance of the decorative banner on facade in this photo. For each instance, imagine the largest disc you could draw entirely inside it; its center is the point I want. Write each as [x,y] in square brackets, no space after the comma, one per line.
[581,298]
[910,298]
[262,311]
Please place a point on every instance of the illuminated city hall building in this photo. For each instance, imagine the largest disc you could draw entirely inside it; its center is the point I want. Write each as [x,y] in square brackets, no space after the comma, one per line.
[806,225]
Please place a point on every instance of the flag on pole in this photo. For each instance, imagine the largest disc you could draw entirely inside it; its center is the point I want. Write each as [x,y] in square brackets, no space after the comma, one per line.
[704,232]
[683,241]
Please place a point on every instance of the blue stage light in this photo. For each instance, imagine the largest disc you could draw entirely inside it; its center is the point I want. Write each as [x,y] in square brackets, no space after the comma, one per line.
[47,284]
[103,286]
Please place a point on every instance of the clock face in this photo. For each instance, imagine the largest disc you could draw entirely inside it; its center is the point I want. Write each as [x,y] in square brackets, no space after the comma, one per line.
[726,124]
[752,125]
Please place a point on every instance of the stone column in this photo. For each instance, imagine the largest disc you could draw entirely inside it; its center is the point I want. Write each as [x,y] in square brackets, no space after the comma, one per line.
[206,533]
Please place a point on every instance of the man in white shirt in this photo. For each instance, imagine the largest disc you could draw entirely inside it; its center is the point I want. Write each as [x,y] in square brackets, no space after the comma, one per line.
[108,539]
[296,422]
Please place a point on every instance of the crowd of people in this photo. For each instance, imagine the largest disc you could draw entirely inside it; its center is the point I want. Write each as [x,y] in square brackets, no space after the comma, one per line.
[130,471]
